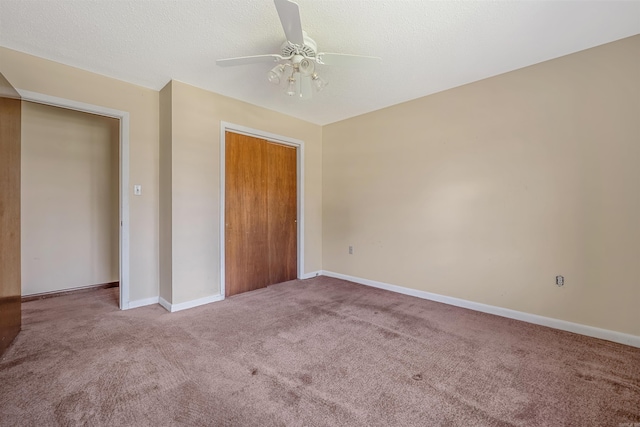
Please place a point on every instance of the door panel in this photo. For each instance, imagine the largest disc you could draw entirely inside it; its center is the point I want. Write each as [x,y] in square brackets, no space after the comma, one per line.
[282,212]
[10,292]
[246,266]
[260,213]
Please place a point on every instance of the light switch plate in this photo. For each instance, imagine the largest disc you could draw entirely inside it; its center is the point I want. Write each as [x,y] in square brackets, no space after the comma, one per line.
[137,190]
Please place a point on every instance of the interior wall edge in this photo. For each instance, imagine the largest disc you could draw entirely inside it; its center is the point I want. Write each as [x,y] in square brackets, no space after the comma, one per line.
[165,195]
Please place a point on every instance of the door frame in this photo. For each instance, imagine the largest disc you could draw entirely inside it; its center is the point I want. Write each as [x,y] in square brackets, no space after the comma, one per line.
[123,118]
[279,139]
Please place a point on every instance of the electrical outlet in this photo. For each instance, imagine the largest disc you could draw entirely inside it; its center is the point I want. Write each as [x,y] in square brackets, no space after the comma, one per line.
[350,250]
[559,280]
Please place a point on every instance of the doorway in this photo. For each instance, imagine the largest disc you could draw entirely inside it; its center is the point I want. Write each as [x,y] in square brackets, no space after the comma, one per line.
[262,215]
[123,197]
[70,204]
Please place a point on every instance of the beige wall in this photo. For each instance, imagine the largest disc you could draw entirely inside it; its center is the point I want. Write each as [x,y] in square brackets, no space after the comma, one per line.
[39,75]
[69,212]
[195,189]
[488,191]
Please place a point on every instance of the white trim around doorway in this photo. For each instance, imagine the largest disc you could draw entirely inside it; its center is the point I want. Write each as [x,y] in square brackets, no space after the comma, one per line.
[224,127]
[123,118]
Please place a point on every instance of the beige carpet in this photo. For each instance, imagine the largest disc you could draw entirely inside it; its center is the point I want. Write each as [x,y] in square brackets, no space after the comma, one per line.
[319,352]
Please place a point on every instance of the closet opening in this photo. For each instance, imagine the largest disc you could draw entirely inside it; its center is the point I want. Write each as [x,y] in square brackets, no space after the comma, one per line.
[112,209]
[69,202]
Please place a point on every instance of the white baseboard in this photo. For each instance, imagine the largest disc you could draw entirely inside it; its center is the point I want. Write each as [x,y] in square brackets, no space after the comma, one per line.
[310,275]
[577,328]
[164,303]
[172,308]
[142,302]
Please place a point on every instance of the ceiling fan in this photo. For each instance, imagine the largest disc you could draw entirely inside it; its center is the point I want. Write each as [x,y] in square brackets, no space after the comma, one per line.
[297,60]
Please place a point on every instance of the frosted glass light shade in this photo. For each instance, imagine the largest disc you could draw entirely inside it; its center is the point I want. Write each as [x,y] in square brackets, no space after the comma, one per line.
[318,82]
[275,74]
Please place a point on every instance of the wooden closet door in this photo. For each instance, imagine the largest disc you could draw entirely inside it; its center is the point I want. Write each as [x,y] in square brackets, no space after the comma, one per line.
[246,241]
[282,212]
[10,286]
[260,213]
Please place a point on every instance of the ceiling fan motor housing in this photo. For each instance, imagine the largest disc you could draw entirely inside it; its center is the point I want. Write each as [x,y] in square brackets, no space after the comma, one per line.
[309,49]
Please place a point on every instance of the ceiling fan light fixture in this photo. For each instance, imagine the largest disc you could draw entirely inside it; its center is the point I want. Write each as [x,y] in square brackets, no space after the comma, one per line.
[275,74]
[318,82]
[291,86]
[298,57]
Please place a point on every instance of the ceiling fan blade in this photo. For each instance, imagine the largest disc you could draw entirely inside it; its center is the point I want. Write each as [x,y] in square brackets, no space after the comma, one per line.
[306,89]
[244,60]
[289,14]
[346,60]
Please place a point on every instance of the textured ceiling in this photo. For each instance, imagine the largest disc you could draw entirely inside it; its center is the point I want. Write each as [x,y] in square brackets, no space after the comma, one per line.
[426,46]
